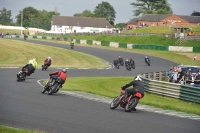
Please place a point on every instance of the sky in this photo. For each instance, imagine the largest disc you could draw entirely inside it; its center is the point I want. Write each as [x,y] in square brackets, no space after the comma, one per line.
[124,11]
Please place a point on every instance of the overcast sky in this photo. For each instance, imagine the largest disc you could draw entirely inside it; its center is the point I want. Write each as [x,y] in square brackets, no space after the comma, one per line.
[124,11]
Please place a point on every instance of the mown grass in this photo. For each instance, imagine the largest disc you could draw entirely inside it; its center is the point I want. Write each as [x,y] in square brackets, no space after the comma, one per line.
[160,29]
[144,40]
[111,87]
[6,129]
[12,31]
[17,53]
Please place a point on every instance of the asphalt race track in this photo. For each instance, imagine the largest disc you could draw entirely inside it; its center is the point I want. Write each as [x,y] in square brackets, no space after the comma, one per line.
[23,106]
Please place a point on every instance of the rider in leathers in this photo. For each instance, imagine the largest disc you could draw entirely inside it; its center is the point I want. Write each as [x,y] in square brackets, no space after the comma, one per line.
[146,59]
[132,63]
[121,61]
[137,87]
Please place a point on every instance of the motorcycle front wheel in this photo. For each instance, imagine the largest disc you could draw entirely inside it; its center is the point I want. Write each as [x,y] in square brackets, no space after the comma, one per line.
[115,103]
[131,104]
[52,89]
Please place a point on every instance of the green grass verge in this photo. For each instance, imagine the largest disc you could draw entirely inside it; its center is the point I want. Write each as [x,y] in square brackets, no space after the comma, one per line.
[12,31]
[5,129]
[111,87]
[17,53]
[160,29]
[144,40]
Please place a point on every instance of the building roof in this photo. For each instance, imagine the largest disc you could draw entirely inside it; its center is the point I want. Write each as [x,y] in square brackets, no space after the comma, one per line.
[132,21]
[154,17]
[191,19]
[81,21]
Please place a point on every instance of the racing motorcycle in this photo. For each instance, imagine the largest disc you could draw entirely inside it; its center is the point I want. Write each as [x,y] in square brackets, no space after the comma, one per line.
[128,66]
[121,62]
[148,62]
[44,67]
[128,105]
[117,66]
[21,76]
[53,86]
[72,45]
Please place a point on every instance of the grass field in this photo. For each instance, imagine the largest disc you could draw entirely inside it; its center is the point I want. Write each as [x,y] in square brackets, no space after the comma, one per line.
[17,53]
[12,31]
[145,40]
[5,129]
[160,29]
[111,87]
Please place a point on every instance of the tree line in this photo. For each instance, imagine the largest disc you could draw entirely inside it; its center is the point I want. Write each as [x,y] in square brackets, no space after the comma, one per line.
[32,17]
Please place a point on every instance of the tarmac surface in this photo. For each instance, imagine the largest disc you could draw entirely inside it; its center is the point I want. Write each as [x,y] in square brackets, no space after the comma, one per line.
[22,105]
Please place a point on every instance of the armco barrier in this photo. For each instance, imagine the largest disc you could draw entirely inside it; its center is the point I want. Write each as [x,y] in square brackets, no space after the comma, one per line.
[103,43]
[122,45]
[196,49]
[89,42]
[174,90]
[78,41]
[153,47]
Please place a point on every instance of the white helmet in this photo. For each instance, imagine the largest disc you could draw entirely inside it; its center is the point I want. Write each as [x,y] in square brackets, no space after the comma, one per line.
[145,56]
[138,78]
[49,57]
[126,59]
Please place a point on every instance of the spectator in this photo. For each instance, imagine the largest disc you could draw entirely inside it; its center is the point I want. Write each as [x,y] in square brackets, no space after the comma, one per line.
[187,77]
[169,75]
[197,77]
[180,75]
[174,76]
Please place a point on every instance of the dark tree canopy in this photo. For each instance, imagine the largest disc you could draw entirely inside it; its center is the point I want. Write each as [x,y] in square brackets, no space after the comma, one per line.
[105,10]
[85,13]
[195,13]
[5,17]
[35,18]
[151,7]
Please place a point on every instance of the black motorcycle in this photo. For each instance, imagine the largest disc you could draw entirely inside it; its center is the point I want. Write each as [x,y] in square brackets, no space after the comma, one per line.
[25,36]
[148,62]
[121,62]
[53,86]
[128,66]
[21,76]
[44,67]
[117,66]
[72,45]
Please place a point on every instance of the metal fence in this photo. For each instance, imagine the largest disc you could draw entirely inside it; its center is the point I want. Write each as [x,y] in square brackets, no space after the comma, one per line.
[153,84]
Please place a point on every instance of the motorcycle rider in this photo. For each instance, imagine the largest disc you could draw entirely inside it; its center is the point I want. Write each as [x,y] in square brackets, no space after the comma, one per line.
[31,66]
[121,61]
[127,62]
[47,62]
[146,59]
[115,62]
[62,74]
[132,63]
[137,87]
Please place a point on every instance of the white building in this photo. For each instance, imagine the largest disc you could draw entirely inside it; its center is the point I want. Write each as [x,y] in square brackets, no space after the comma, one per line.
[68,24]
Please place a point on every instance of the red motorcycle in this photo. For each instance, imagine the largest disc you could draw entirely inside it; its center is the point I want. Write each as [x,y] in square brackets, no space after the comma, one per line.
[21,76]
[130,103]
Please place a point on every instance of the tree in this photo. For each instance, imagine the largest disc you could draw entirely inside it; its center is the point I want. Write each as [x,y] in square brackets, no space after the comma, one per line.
[36,18]
[120,25]
[5,17]
[195,13]
[151,7]
[28,14]
[85,13]
[105,10]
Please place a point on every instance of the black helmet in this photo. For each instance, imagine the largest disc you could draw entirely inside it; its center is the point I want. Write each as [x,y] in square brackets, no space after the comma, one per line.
[64,70]
[138,78]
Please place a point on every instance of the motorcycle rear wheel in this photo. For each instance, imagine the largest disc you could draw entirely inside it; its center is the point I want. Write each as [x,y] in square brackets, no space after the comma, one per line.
[115,103]
[131,104]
